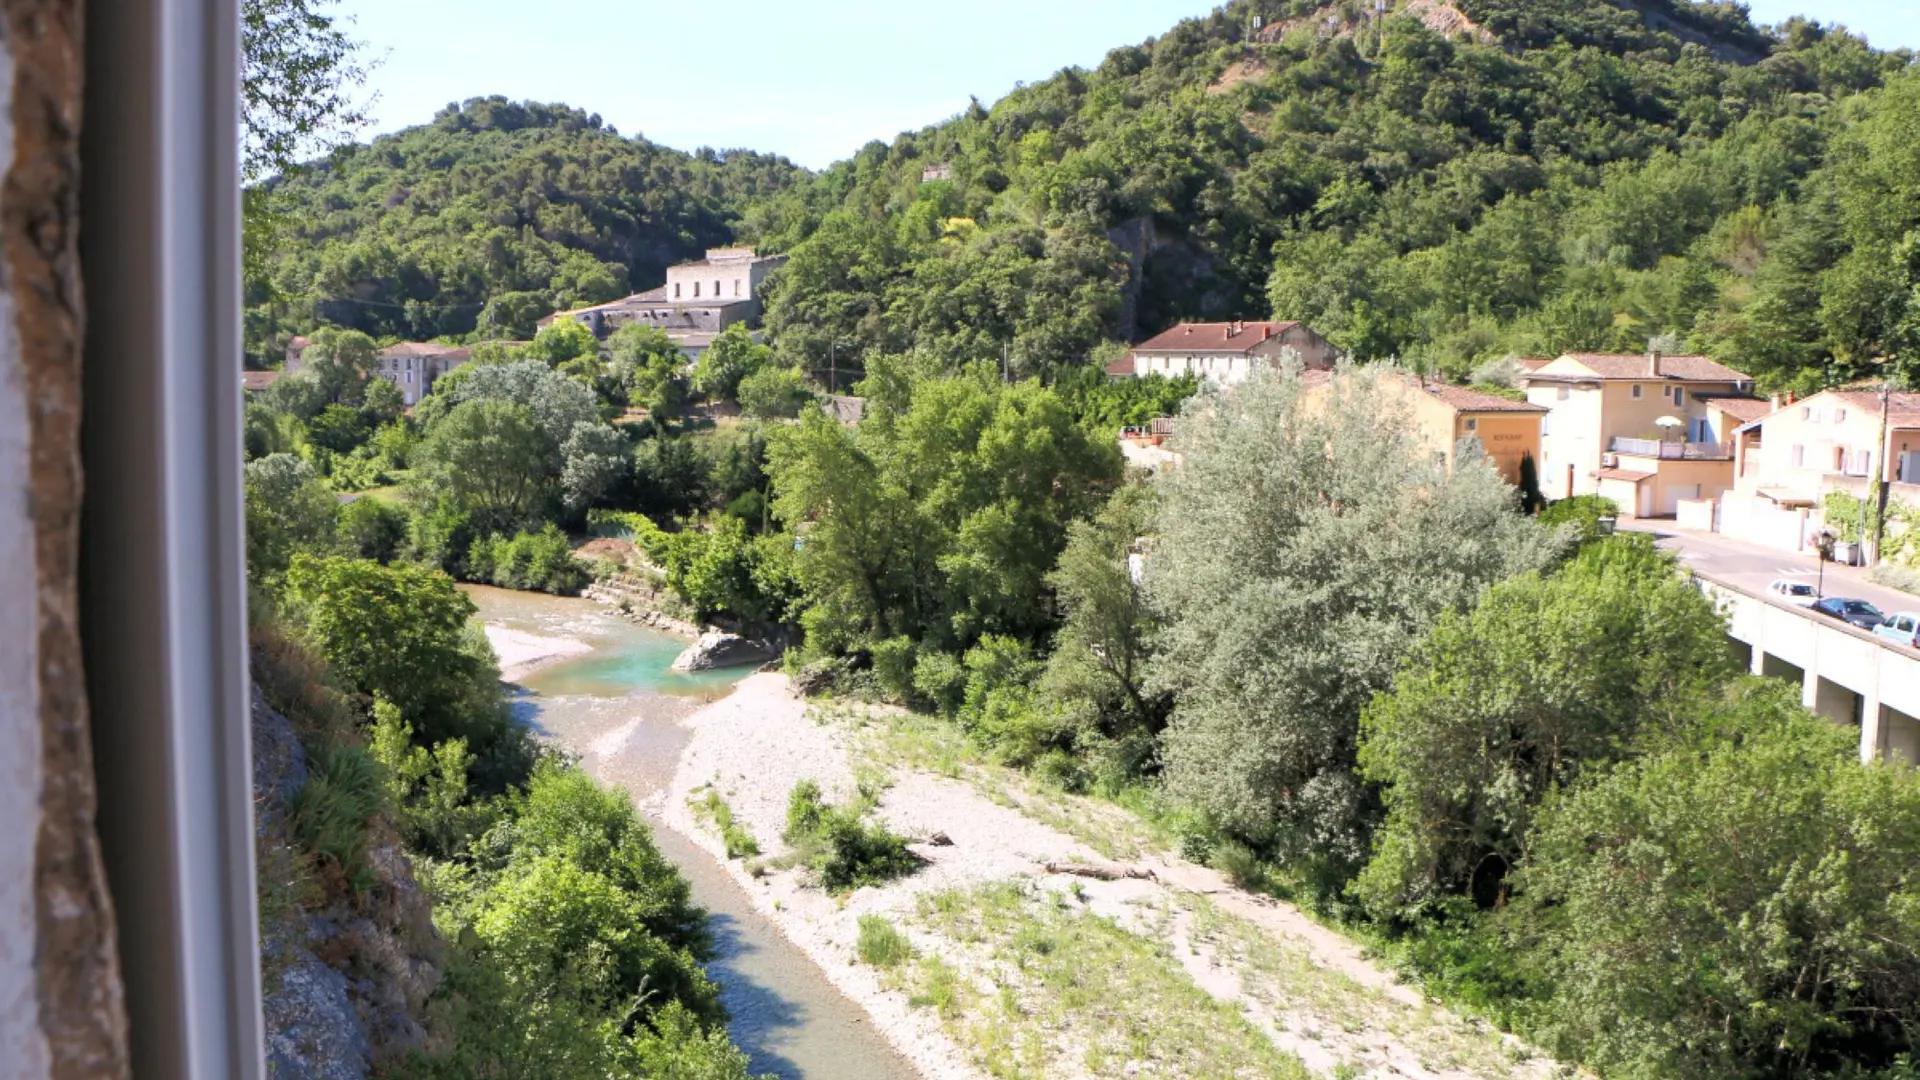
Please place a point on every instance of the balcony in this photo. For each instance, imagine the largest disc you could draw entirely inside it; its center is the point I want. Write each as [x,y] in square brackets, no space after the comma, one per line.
[1673,451]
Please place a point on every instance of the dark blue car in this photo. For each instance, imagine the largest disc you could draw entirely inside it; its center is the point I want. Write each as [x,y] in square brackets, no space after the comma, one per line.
[1852,612]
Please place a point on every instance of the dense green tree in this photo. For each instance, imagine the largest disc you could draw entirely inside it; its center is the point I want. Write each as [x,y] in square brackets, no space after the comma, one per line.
[489,460]
[1741,904]
[288,510]
[1301,550]
[773,393]
[1099,659]
[939,522]
[1547,676]
[650,369]
[399,632]
[732,356]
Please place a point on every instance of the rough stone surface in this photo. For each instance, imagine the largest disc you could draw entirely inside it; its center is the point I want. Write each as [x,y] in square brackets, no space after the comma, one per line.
[313,1030]
[345,980]
[719,649]
[77,985]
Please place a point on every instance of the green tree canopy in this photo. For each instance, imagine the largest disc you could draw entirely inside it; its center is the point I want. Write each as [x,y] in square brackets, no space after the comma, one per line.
[1302,548]
[1741,904]
[1498,707]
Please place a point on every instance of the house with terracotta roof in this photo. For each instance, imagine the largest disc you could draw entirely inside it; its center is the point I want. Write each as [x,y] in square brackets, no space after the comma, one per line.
[253,382]
[1224,353]
[413,366]
[1788,459]
[1637,428]
[1444,415]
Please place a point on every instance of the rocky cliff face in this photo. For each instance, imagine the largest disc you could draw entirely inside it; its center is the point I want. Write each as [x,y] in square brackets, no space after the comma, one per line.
[346,977]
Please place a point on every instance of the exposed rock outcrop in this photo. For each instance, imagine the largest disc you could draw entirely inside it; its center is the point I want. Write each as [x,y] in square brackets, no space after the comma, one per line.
[346,978]
[719,649]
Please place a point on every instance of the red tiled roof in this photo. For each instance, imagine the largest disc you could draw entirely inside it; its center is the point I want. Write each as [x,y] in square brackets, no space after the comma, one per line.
[423,348]
[1215,337]
[1623,474]
[1532,363]
[1903,406]
[1743,409]
[1467,399]
[1122,366]
[1634,366]
[258,380]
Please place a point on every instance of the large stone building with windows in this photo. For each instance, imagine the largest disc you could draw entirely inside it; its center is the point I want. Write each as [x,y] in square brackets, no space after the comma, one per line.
[699,298]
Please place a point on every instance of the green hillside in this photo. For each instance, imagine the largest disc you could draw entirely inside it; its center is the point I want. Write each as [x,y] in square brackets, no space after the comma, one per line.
[1445,181]
[1546,176]
[492,216]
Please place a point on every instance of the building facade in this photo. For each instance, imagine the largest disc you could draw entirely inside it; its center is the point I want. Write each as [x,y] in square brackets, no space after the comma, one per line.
[413,366]
[1635,428]
[1788,460]
[1444,415]
[1225,353]
[705,297]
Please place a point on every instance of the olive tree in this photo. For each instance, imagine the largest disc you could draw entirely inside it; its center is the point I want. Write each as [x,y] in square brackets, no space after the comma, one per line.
[1304,543]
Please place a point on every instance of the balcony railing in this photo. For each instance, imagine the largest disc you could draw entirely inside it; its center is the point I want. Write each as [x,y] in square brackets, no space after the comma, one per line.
[1673,451]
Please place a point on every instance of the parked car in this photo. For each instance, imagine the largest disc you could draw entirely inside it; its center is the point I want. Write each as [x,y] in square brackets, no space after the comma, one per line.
[1902,627]
[1852,612]
[1792,592]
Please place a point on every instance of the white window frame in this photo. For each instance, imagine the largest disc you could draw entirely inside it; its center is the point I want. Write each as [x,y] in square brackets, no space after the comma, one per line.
[163,604]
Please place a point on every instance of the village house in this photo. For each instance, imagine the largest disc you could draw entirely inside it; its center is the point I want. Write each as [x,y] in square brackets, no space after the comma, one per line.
[1443,415]
[1636,428]
[1788,459]
[1224,353]
[413,366]
[699,299]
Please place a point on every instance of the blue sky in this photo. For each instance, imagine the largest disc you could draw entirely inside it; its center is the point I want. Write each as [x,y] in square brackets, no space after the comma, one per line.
[813,81]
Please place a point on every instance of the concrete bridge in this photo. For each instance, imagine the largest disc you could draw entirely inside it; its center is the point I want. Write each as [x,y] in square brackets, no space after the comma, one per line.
[1845,674]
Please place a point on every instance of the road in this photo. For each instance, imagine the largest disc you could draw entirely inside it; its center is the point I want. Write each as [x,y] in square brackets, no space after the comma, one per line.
[1750,566]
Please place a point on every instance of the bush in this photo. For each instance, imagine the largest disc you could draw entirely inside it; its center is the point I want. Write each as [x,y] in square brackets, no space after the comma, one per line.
[893,668]
[839,845]
[1774,871]
[739,842]
[1583,512]
[334,810]
[539,562]
[773,393]
[371,528]
[881,944]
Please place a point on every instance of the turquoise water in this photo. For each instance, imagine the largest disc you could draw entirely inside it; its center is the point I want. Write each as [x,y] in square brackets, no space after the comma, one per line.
[642,661]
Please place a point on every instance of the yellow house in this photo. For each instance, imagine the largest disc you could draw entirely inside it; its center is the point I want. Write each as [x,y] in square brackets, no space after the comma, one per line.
[1443,414]
[1642,430]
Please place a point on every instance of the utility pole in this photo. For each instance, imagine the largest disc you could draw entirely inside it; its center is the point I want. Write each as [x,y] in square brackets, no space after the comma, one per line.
[1879,493]
[832,373]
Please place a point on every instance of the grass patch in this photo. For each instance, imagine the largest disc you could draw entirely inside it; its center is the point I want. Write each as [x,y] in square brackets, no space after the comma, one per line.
[839,843]
[1285,978]
[881,944]
[334,811]
[1067,985]
[714,810]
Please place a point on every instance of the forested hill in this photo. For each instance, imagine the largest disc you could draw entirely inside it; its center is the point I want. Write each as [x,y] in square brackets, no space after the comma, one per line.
[492,216]
[1445,181]
[1531,176]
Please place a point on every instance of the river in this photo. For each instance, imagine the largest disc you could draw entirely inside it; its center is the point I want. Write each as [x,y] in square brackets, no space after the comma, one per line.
[617,707]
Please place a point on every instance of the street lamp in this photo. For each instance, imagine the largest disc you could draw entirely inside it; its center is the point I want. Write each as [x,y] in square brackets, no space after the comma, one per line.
[1823,543]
